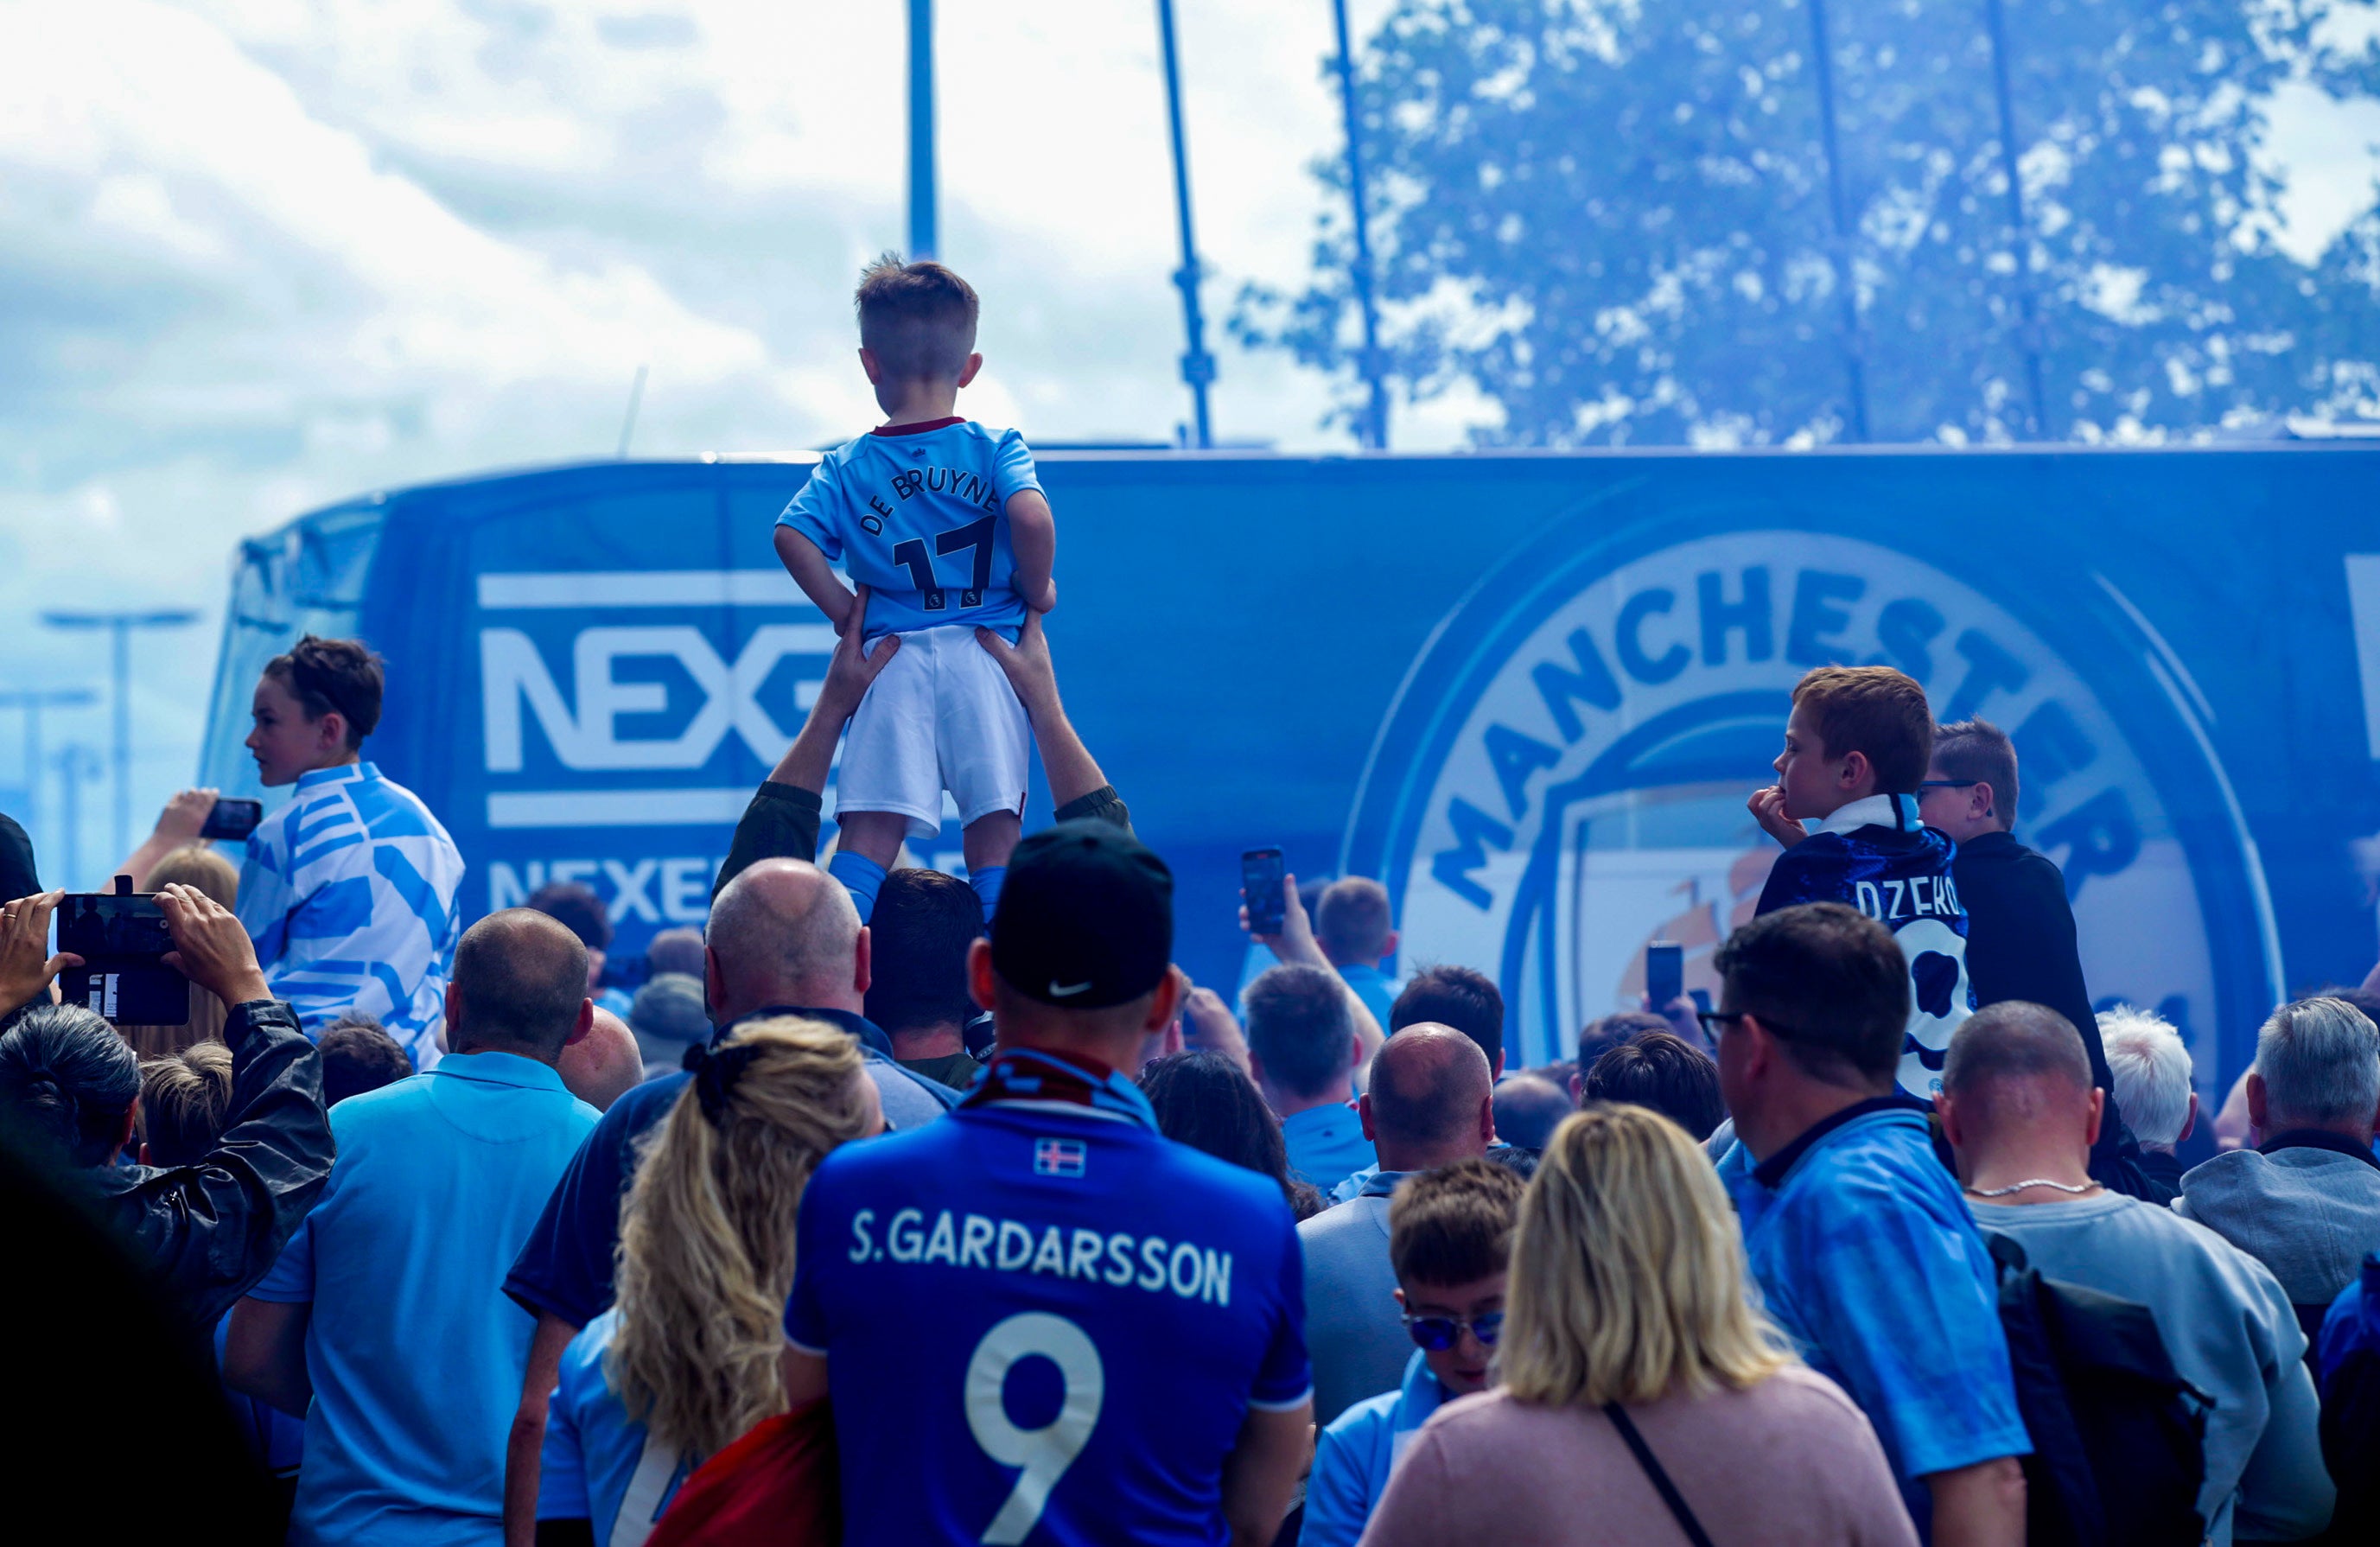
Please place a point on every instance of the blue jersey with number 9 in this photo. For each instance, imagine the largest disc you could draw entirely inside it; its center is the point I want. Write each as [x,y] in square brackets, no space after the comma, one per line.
[919,517]
[1044,1325]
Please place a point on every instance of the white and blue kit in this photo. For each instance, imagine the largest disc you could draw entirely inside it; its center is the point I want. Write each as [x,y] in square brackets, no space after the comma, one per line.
[918,515]
[349,893]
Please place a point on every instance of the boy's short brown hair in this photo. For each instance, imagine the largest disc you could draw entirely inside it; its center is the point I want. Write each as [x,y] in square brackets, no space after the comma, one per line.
[917,318]
[323,675]
[1454,1225]
[1352,921]
[1876,711]
[1980,752]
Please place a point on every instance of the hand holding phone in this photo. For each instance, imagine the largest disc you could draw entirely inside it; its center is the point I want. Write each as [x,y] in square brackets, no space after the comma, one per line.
[122,940]
[211,947]
[231,819]
[26,964]
[1665,974]
[1262,875]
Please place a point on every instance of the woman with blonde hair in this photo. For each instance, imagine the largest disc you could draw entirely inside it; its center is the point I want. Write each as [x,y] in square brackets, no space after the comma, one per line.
[1644,1399]
[687,1359]
[200,866]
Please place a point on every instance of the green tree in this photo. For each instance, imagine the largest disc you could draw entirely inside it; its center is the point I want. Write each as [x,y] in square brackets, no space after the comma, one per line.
[1612,219]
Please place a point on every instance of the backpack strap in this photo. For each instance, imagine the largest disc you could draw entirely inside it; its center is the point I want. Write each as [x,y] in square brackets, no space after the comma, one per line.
[1659,1475]
[640,1507]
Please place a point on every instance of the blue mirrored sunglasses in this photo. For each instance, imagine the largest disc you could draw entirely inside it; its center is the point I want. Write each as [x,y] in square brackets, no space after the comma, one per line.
[1438,1334]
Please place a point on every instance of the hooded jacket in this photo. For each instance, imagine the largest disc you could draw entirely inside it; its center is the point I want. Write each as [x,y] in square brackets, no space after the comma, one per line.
[2305,1205]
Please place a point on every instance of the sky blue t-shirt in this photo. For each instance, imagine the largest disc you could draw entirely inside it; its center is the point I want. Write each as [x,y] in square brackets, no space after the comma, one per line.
[1326,1144]
[920,516]
[1866,1256]
[592,1447]
[1065,1315]
[1355,1455]
[416,1355]
[1375,988]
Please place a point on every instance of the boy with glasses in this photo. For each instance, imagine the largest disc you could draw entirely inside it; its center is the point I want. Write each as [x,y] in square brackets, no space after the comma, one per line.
[1450,1237]
[2021,940]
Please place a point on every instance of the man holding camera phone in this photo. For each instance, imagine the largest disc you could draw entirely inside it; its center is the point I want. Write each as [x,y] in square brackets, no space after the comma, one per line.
[208,1231]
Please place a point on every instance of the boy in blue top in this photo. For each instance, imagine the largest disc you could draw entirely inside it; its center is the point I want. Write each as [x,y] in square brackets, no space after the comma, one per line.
[1084,1330]
[1450,1239]
[1855,753]
[944,522]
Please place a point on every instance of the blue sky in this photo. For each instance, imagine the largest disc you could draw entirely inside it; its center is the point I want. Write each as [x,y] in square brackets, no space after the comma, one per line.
[258,255]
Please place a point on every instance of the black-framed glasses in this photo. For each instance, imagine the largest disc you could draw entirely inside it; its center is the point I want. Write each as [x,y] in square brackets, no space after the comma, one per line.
[1438,1334]
[1948,784]
[1713,1020]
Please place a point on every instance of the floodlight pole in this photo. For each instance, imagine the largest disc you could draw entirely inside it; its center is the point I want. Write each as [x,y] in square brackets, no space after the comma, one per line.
[75,764]
[33,702]
[119,626]
[1839,254]
[923,240]
[1375,429]
[1198,365]
[2020,232]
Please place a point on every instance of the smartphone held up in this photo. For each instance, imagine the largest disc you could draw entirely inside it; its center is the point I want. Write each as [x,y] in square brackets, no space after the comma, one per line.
[122,939]
[1261,874]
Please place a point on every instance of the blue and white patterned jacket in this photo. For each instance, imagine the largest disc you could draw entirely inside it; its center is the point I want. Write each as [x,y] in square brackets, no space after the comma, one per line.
[349,893]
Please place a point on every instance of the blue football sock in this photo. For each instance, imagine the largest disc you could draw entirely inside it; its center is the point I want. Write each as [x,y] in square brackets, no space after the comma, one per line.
[860,876]
[986,883]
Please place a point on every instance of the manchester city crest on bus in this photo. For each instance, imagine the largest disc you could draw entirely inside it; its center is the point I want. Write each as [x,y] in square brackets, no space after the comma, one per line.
[1563,777]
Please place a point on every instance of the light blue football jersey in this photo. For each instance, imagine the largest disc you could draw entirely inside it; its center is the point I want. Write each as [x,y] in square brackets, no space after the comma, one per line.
[918,515]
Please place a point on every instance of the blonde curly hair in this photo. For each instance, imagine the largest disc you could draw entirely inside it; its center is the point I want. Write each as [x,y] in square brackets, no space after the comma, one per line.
[707,1235]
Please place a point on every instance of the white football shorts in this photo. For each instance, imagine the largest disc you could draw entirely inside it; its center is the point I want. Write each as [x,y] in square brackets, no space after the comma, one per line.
[941,716]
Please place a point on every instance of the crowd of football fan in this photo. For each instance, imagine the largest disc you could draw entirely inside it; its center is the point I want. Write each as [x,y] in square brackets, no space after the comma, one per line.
[929,1230]
[893,1208]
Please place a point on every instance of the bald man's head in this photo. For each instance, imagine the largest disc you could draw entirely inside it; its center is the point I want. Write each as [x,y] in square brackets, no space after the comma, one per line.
[2015,1067]
[518,986]
[1429,1100]
[604,1064]
[784,933]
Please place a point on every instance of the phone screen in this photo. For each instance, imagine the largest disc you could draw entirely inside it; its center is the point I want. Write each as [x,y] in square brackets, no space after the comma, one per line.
[1665,972]
[104,927]
[233,819]
[1261,877]
[121,937]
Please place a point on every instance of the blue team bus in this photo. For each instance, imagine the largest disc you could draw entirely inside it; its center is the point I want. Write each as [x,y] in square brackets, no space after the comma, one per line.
[1530,691]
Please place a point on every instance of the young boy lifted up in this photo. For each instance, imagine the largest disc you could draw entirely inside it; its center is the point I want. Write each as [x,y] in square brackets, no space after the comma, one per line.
[1845,808]
[942,524]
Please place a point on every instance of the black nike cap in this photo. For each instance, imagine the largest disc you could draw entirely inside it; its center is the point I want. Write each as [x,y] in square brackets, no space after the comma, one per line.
[1086,917]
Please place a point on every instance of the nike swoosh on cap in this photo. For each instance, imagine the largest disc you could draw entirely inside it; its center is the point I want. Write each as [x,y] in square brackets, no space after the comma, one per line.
[1067,990]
